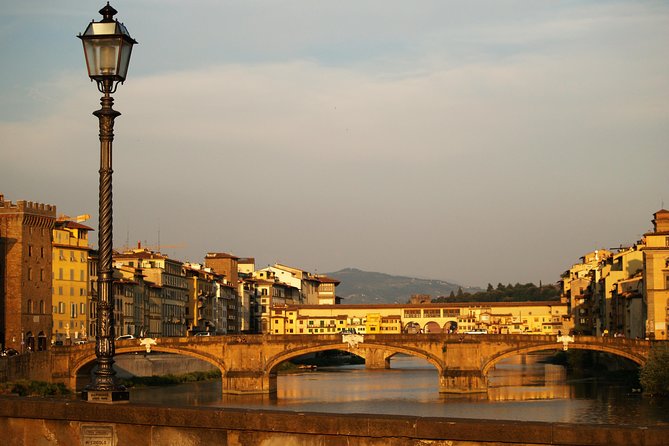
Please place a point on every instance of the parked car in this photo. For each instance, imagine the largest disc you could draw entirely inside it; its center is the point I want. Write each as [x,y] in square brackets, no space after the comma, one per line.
[202,333]
[9,352]
[125,337]
[80,341]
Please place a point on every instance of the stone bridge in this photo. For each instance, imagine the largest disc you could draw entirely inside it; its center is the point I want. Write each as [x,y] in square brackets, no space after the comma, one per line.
[248,363]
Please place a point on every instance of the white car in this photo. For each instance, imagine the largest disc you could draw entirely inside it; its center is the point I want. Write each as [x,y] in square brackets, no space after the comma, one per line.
[125,337]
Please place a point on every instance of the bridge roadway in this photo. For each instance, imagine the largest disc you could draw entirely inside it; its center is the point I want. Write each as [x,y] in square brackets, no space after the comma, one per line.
[248,363]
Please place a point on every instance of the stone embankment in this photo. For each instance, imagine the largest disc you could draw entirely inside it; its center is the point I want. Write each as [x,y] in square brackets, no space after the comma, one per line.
[32,421]
[157,365]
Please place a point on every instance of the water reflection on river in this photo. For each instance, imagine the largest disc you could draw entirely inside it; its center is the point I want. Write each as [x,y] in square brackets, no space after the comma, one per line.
[520,388]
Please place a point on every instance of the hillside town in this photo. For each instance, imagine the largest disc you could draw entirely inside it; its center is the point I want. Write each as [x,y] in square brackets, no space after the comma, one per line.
[49,292]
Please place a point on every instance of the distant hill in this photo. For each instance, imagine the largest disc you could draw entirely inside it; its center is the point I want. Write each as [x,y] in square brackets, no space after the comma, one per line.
[364,287]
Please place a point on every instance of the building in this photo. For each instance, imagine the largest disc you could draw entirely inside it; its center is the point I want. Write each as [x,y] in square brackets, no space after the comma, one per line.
[132,305]
[25,274]
[168,274]
[656,276]
[614,293]
[327,294]
[493,317]
[71,290]
[579,290]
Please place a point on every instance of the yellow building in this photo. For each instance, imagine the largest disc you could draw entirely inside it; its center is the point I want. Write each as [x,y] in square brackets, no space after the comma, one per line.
[656,276]
[70,281]
[496,317]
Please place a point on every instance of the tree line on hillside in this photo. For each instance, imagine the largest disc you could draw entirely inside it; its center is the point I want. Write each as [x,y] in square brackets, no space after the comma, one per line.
[505,293]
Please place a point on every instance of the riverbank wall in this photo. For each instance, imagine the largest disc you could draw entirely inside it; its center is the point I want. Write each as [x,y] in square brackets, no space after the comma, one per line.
[36,421]
[127,366]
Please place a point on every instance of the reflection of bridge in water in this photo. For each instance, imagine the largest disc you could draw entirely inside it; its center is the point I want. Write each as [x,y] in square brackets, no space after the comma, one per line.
[248,363]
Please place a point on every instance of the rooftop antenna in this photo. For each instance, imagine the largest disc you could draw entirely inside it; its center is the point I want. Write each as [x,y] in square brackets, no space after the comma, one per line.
[127,236]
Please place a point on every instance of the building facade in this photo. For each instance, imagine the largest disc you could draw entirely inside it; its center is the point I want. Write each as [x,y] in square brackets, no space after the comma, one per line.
[656,276]
[71,290]
[495,318]
[25,274]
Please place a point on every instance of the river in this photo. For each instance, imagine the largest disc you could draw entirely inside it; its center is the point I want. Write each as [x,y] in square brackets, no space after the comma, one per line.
[520,388]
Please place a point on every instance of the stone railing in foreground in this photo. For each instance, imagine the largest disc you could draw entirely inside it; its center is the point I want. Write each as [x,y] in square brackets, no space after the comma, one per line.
[33,421]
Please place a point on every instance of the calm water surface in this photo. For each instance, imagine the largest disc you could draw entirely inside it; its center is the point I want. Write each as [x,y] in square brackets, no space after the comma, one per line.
[521,388]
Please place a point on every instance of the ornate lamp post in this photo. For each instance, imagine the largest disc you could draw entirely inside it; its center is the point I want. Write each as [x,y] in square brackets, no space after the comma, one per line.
[107,46]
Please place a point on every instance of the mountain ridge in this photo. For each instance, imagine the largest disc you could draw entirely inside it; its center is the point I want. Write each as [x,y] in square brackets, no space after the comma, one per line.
[367,287]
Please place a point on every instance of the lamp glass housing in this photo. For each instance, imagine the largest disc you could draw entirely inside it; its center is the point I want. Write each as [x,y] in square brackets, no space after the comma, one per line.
[107,47]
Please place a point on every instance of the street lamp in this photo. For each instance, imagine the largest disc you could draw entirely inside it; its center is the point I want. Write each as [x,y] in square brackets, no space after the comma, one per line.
[107,47]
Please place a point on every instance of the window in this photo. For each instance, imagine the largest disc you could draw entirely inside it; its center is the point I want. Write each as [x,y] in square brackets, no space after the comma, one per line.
[30,306]
[81,275]
[41,307]
[41,274]
[60,290]
[60,273]
[30,274]
[61,307]
[411,313]
[30,250]
[41,252]
[82,308]
[71,274]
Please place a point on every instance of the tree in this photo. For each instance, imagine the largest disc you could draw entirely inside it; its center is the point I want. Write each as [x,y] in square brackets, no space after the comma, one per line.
[654,375]
[490,288]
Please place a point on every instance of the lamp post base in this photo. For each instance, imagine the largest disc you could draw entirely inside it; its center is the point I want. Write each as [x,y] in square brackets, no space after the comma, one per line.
[105,396]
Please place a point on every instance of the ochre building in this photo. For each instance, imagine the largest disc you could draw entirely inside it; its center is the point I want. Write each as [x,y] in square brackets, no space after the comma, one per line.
[494,317]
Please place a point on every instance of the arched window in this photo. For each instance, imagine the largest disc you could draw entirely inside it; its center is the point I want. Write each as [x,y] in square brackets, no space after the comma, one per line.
[30,306]
[30,341]
[41,307]
[41,341]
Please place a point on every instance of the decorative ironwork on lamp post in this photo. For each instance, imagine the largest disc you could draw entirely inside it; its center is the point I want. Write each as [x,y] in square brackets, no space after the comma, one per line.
[107,47]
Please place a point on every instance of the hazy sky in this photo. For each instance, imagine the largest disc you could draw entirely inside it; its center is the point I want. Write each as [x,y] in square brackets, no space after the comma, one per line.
[470,141]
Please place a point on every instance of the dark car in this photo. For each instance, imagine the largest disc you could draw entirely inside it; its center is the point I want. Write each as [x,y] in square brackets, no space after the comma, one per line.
[9,352]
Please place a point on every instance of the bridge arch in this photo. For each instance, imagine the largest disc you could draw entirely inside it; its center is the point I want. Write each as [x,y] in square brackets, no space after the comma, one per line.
[89,358]
[363,350]
[603,348]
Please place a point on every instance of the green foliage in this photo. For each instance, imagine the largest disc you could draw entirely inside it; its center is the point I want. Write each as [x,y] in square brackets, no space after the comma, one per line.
[506,293]
[654,374]
[34,388]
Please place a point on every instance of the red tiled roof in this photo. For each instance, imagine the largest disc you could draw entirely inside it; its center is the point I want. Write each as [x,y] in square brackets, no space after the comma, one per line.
[73,225]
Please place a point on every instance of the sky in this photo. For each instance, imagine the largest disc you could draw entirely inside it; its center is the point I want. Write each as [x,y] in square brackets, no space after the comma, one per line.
[477,142]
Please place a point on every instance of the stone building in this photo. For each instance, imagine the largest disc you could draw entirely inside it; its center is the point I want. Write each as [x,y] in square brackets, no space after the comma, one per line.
[25,274]
[168,274]
[656,276]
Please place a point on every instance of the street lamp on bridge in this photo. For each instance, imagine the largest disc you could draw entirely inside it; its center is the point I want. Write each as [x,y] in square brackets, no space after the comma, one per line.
[107,47]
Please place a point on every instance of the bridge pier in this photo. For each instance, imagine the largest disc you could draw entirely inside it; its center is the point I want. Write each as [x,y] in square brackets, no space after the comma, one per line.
[248,382]
[462,381]
[377,359]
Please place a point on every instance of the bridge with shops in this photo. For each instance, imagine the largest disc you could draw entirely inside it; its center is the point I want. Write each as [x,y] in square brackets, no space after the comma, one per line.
[248,363]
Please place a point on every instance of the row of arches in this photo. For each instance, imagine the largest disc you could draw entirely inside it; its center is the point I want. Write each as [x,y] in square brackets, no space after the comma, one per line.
[431,327]
[31,345]
[368,352]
